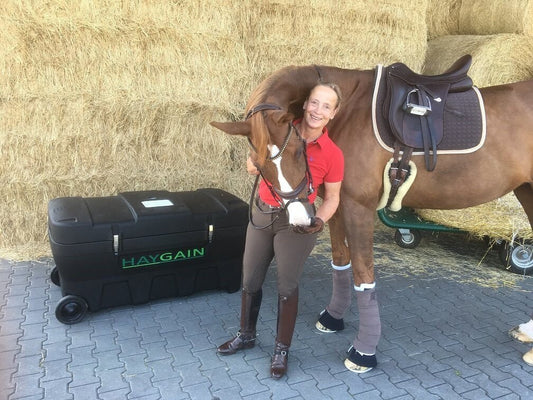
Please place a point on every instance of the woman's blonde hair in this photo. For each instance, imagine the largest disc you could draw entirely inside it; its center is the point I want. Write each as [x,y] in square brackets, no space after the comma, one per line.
[335,88]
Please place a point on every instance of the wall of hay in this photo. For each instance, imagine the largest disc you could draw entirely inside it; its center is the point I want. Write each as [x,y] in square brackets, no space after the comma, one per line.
[100,96]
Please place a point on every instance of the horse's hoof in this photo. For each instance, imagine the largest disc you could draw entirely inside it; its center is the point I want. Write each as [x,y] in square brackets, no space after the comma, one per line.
[359,363]
[528,357]
[518,332]
[327,324]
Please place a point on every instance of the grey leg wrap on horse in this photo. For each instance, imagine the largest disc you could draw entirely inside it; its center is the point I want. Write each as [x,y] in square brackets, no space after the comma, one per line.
[341,296]
[369,333]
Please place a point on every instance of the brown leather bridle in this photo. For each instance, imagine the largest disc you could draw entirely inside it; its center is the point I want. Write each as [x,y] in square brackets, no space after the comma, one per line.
[280,196]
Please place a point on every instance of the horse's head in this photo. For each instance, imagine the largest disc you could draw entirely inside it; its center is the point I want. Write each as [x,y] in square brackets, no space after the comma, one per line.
[279,153]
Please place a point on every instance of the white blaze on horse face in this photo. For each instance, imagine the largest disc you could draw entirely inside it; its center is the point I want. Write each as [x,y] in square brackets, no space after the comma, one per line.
[297,212]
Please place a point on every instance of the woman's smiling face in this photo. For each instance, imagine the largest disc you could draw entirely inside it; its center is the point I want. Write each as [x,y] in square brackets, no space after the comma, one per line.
[320,107]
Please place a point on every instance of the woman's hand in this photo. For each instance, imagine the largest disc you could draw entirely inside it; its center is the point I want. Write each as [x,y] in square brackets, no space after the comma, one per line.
[317,225]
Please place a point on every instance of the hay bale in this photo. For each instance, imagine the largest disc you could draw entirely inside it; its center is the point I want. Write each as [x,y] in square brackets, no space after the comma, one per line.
[348,33]
[503,218]
[443,17]
[496,59]
[479,17]
[482,17]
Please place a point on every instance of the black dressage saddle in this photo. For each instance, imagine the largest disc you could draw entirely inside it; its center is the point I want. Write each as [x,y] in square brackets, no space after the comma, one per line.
[424,114]
[415,104]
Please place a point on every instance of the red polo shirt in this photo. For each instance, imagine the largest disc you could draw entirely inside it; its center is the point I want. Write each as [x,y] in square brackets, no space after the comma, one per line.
[326,164]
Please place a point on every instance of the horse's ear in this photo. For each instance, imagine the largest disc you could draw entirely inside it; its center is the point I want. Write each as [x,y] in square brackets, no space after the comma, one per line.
[233,128]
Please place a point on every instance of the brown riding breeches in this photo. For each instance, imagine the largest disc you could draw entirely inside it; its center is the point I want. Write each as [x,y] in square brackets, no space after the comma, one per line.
[278,241]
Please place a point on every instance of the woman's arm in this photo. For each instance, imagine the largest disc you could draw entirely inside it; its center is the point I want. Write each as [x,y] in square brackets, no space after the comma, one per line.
[331,199]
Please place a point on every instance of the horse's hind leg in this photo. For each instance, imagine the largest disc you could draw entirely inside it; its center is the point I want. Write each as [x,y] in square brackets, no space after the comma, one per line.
[524,194]
[331,319]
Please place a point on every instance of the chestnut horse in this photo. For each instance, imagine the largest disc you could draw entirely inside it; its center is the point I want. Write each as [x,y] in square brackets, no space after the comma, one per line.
[503,164]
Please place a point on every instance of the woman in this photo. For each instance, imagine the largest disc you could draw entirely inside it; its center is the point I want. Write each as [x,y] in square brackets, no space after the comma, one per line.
[290,246]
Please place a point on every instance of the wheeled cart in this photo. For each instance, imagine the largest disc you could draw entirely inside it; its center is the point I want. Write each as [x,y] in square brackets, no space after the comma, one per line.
[516,256]
[408,226]
[141,246]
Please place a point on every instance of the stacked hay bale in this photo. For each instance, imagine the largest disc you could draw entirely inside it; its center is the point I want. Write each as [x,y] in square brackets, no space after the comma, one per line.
[102,97]
[499,36]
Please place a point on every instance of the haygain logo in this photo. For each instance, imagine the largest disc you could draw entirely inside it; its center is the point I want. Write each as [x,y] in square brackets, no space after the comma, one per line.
[161,258]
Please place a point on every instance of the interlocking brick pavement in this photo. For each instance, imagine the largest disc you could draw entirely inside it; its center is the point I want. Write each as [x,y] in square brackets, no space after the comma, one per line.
[446,307]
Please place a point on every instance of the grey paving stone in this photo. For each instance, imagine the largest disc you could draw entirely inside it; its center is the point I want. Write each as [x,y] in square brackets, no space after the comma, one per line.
[172,389]
[163,370]
[455,378]
[113,395]
[81,355]
[83,375]
[57,389]
[87,392]
[249,383]
[190,374]
[493,389]
[182,355]
[130,347]
[135,364]
[514,385]
[140,384]
[54,370]
[386,388]
[27,386]
[111,379]
[445,391]
[56,351]
[199,391]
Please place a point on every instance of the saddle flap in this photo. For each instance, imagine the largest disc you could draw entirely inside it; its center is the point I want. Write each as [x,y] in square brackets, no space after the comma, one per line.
[409,106]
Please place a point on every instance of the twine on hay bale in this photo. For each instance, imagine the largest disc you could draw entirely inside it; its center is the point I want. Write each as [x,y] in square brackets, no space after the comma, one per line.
[496,59]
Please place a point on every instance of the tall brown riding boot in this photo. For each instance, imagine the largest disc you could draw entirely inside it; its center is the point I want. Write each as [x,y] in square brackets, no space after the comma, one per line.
[245,339]
[287,312]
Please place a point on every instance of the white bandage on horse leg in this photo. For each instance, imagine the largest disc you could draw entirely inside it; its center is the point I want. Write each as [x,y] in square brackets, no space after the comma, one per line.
[341,267]
[341,296]
[364,286]
[369,333]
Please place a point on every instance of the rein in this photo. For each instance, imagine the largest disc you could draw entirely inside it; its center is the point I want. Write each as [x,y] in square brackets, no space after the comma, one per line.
[276,193]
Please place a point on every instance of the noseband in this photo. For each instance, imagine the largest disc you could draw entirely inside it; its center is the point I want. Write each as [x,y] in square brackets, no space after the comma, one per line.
[279,195]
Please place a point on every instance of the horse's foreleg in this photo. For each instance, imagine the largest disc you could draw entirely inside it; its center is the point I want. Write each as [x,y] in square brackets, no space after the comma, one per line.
[331,319]
[524,194]
[359,223]
[341,295]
